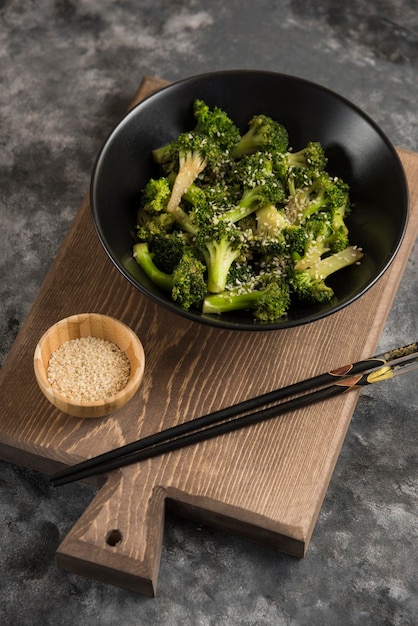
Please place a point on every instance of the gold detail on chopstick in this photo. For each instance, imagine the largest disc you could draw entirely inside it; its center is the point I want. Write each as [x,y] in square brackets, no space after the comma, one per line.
[383,373]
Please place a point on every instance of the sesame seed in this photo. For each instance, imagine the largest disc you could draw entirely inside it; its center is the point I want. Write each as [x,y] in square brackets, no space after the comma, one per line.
[88,369]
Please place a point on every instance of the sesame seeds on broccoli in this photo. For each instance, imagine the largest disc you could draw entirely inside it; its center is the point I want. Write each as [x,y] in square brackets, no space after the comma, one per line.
[241,222]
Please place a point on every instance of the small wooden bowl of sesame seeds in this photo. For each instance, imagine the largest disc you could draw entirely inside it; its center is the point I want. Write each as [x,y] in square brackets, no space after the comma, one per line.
[89,365]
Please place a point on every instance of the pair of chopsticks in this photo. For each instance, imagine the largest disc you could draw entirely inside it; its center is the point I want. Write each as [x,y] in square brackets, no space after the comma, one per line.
[333,383]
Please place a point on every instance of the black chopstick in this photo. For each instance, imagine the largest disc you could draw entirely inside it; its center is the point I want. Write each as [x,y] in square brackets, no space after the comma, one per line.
[221,421]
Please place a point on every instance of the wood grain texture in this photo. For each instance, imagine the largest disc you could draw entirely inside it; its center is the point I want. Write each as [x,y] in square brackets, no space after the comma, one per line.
[85,325]
[265,483]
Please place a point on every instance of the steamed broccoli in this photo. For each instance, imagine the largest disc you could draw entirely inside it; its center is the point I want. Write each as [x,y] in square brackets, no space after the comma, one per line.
[316,244]
[145,259]
[194,151]
[242,222]
[240,273]
[264,134]
[167,249]
[148,227]
[186,284]
[215,124]
[311,156]
[152,216]
[270,221]
[212,123]
[195,196]
[324,192]
[220,243]
[254,198]
[309,285]
[156,195]
[298,168]
[325,232]
[338,239]
[189,281]
[205,201]
[269,301]
[273,224]
[259,185]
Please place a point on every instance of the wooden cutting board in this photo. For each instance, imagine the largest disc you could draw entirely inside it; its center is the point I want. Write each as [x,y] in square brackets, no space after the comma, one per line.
[265,483]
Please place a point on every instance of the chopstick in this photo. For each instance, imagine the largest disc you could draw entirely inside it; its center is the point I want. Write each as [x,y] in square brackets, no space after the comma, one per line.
[365,372]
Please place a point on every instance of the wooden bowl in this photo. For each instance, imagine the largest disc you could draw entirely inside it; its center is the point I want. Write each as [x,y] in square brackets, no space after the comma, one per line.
[89,325]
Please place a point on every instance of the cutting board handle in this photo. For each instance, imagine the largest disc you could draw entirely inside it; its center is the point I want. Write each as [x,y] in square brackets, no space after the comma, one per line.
[118,539]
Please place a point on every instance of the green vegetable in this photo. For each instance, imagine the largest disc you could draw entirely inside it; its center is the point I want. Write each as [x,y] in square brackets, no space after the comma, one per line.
[309,284]
[242,222]
[186,283]
[220,243]
[269,301]
[263,134]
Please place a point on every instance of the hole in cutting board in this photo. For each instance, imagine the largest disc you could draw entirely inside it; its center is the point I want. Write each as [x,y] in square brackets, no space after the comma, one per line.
[114,537]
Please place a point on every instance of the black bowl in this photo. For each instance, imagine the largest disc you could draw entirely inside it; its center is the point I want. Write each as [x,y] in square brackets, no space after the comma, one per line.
[357,150]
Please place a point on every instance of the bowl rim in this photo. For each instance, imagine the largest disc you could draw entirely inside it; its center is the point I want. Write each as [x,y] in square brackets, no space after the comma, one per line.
[219,321]
[127,391]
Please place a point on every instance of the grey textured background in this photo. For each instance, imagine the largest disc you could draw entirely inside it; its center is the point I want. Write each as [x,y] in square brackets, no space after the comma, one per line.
[67,72]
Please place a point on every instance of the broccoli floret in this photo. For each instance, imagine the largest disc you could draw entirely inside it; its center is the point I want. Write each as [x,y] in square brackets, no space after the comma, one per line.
[276,235]
[251,171]
[240,273]
[168,249]
[196,206]
[259,185]
[186,284]
[155,195]
[195,196]
[194,152]
[324,193]
[211,199]
[271,192]
[220,242]
[300,169]
[145,259]
[273,222]
[309,284]
[311,158]
[269,302]
[189,281]
[317,232]
[152,217]
[163,154]
[212,123]
[216,124]
[264,134]
[242,222]
[270,221]
[148,227]
[338,239]
[325,232]
[295,239]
